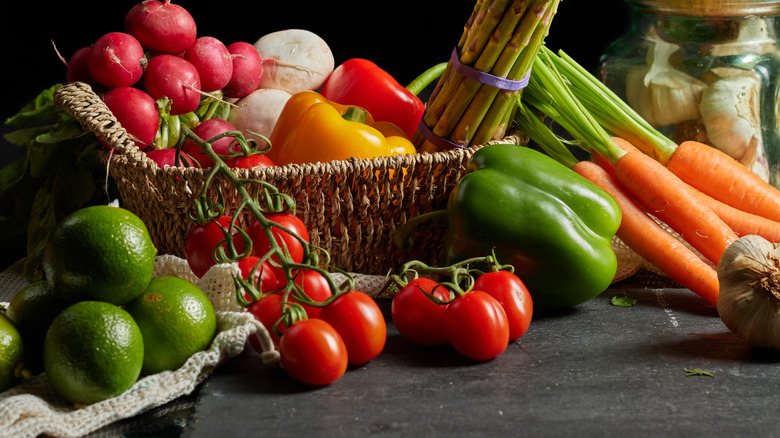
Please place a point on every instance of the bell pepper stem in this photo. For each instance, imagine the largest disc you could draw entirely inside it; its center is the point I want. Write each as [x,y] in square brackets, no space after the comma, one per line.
[355,114]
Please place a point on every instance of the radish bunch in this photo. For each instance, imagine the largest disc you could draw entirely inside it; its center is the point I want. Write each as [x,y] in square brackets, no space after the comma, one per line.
[158,74]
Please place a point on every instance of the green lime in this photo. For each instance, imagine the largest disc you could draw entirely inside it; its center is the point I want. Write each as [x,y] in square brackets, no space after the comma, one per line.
[92,351]
[177,320]
[11,353]
[32,310]
[100,253]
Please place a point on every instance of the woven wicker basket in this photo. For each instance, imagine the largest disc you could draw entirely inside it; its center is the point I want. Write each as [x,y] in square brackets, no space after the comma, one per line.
[351,207]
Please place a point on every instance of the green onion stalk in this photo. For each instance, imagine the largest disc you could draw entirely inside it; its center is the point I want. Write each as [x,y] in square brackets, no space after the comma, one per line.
[608,109]
[550,94]
[501,38]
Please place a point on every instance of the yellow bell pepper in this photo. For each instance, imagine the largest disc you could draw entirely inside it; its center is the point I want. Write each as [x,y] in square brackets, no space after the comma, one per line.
[313,129]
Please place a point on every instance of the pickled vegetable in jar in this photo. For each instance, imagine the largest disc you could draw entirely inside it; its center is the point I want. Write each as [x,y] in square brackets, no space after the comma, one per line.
[704,70]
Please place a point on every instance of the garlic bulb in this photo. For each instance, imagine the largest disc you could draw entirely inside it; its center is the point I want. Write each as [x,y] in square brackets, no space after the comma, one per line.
[730,113]
[660,93]
[749,299]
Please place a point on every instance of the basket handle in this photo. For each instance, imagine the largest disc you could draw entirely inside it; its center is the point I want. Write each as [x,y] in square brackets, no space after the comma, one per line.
[80,101]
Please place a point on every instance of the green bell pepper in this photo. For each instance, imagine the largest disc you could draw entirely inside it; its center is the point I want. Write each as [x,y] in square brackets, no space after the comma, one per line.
[554,226]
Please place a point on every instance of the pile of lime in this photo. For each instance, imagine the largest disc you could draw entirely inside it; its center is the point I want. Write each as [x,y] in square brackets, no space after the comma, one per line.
[100,319]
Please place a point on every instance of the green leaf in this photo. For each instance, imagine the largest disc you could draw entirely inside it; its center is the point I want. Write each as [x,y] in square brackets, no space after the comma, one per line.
[12,174]
[37,111]
[696,372]
[40,223]
[623,301]
[66,130]
[23,137]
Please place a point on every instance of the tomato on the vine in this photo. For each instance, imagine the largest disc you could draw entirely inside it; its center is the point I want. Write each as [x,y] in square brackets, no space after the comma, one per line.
[249,161]
[261,245]
[203,239]
[312,351]
[360,322]
[416,317]
[514,297]
[268,310]
[316,288]
[263,278]
[477,326]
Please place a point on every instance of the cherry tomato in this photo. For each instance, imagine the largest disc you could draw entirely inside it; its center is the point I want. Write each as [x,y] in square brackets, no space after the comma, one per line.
[312,351]
[316,287]
[201,241]
[416,317]
[360,322]
[248,162]
[267,310]
[263,279]
[514,297]
[261,246]
[477,326]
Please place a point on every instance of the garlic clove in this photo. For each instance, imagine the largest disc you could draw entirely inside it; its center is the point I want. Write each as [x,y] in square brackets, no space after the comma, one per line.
[730,113]
[660,93]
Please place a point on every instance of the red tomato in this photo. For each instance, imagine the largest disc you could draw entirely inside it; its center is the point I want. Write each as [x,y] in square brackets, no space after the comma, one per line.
[416,317]
[261,246]
[201,241]
[360,322]
[248,162]
[267,310]
[514,297]
[312,351]
[316,287]
[477,325]
[263,279]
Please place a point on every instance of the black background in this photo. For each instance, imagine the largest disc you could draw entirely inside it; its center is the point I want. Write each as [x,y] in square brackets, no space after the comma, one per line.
[403,37]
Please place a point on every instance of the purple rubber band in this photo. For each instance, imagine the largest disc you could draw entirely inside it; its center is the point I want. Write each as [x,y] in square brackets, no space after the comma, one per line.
[487,78]
[440,142]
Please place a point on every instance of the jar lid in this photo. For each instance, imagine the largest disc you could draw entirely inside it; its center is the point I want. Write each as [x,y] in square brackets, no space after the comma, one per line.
[711,8]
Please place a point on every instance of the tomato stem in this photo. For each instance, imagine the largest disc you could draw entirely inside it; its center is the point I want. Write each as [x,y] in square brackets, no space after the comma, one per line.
[274,201]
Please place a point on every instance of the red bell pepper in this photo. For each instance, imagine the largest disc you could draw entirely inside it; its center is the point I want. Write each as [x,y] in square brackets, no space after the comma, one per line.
[362,83]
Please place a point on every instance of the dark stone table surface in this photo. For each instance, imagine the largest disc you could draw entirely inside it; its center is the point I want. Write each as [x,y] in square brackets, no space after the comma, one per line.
[595,370]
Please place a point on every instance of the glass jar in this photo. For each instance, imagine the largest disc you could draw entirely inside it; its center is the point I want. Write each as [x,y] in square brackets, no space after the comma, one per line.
[705,70]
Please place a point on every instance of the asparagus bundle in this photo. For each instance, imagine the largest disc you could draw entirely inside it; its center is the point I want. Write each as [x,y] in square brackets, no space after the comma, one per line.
[500,38]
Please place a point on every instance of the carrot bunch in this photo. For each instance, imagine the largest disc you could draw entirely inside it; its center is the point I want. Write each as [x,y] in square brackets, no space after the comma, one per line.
[703,194]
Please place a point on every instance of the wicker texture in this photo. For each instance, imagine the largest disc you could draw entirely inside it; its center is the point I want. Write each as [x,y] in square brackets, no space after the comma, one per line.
[351,207]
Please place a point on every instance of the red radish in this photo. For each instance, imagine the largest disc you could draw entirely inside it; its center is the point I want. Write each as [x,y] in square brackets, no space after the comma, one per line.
[247,70]
[176,78]
[136,111]
[78,67]
[167,157]
[117,60]
[161,26]
[213,61]
[207,130]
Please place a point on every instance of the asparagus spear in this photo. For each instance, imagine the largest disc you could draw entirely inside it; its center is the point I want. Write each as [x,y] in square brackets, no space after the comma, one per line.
[500,37]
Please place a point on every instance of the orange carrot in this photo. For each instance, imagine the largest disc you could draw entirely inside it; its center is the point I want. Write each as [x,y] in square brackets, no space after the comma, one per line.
[671,200]
[707,169]
[718,175]
[743,223]
[655,244]
[624,144]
